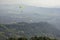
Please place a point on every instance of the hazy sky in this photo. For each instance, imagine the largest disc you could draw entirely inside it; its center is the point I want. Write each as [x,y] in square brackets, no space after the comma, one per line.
[43,3]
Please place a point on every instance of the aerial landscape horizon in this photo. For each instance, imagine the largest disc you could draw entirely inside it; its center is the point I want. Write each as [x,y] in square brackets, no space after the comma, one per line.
[29,20]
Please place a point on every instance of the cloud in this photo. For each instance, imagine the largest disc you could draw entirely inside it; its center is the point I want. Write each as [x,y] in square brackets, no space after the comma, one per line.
[43,3]
[8,1]
[38,3]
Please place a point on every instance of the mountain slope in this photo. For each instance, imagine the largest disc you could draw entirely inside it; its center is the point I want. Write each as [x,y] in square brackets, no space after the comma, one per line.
[30,29]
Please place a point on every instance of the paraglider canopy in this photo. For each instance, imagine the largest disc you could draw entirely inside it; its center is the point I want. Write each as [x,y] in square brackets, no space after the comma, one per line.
[21,7]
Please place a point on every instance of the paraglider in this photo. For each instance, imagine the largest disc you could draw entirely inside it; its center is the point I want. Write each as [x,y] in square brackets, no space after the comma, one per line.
[21,8]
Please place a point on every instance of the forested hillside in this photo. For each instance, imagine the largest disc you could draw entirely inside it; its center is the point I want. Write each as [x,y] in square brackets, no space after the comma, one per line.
[22,29]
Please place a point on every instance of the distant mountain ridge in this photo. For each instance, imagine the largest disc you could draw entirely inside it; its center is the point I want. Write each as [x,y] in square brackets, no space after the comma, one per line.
[12,13]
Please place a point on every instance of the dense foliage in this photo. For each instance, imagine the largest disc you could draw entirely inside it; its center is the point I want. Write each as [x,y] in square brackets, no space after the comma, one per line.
[28,29]
[32,38]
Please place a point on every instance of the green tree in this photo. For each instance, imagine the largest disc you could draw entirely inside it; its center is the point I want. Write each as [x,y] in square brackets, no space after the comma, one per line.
[34,38]
[22,38]
[11,38]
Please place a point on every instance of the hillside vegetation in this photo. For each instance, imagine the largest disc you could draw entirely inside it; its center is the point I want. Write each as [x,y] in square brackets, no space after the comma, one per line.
[23,29]
[32,38]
